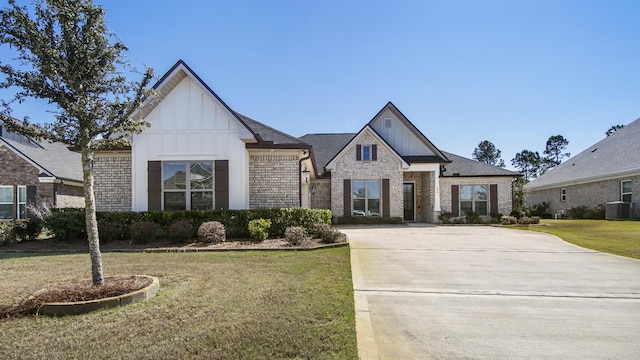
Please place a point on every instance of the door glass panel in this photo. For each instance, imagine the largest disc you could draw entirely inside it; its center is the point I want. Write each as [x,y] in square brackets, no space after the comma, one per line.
[408,195]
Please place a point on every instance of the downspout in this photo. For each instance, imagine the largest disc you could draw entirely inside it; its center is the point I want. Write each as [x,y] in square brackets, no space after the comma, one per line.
[300,176]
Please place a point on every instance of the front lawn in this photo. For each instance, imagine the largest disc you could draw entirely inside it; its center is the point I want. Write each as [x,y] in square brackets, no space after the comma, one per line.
[222,305]
[615,237]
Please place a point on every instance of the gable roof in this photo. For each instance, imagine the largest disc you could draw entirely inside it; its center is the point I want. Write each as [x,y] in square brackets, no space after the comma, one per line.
[51,159]
[263,135]
[615,156]
[464,167]
[437,157]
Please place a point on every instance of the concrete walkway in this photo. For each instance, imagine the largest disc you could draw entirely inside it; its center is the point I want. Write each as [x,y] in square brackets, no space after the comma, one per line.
[478,292]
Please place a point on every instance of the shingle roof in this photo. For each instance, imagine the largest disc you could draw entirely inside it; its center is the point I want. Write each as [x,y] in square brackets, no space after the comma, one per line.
[55,158]
[268,133]
[326,146]
[462,166]
[613,156]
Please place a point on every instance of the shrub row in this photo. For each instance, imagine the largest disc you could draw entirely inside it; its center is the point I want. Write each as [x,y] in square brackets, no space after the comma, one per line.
[67,224]
[373,220]
[523,220]
[471,217]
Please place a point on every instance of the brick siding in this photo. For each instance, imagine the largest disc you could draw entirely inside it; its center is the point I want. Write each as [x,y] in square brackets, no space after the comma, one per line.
[321,194]
[505,199]
[112,182]
[274,181]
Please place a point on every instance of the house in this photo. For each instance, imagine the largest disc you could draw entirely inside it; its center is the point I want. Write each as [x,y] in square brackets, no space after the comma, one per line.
[37,173]
[389,168]
[607,171]
[198,153]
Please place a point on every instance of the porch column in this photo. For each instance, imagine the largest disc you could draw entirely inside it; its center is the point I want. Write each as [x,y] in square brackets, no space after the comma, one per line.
[436,193]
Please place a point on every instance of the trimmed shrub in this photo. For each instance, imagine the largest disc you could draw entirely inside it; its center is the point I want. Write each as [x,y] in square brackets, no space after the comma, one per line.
[109,231]
[181,231]
[472,217]
[142,232]
[295,235]
[326,233]
[445,217]
[211,232]
[496,218]
[259,229]
[67,224]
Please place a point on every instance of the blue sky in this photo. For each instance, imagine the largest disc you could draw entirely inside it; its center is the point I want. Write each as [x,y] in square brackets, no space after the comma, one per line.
[511,72]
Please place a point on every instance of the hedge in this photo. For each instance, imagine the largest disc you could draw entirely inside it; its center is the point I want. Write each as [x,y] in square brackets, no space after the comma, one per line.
[67,224]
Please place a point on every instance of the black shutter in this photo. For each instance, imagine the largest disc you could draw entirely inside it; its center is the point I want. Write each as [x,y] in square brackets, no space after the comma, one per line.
[221,184]
[374,152]
[455,201]
[347,197]
[358,152]
[493,198]
[386,208]
[31,199]
[154,185]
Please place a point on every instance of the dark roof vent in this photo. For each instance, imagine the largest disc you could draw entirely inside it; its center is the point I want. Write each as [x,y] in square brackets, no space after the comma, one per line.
[594,150]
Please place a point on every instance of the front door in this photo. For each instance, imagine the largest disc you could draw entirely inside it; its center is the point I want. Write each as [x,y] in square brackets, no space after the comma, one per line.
[409,201]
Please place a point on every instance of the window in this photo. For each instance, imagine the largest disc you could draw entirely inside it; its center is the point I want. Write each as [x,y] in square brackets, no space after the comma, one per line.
[6,202]
[22,202]
[474,198]
[187,185]
[626,192]
[366,197]
[563,194]
[366,153]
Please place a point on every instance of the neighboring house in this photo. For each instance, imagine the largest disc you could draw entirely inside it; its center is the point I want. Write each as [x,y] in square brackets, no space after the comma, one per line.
[608,171]
[37,173]
[199,154]
[391,169]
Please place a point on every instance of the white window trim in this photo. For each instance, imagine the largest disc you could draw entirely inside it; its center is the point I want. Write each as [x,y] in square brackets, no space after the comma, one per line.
[18,202]
[366,196]
[563,194]
[622,193]
[12,197]
[363,152]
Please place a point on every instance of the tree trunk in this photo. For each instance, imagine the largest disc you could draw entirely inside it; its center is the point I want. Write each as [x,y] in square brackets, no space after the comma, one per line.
[90,217]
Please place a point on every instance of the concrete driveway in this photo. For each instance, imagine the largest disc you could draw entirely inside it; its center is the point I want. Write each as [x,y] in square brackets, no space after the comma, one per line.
[435,292]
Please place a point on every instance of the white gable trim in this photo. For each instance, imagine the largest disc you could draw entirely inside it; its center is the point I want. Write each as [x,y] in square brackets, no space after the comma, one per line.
[173,78]
[368,130]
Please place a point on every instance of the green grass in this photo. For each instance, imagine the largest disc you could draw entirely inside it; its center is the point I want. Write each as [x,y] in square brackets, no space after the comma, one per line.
[615,237]
[223,305]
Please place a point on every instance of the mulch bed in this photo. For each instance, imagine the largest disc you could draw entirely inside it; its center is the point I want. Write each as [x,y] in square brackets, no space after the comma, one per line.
[82,290]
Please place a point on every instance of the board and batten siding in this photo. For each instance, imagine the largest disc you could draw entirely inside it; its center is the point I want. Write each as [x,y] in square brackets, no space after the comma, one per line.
[398,135]
[189,124]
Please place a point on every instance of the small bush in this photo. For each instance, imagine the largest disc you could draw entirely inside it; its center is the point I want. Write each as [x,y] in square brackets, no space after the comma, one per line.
[67,224]
[526,220]
[445,217]
[508,220]
[496,218]
[259,229]
[326,233]
[27,229]
[295,235]
[7,236]
[211,232]
[473,217]
[108,231]
[142,232]
[181,231]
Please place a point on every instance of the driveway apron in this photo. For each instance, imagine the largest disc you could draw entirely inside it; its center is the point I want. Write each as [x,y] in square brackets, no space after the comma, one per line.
[478,292]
